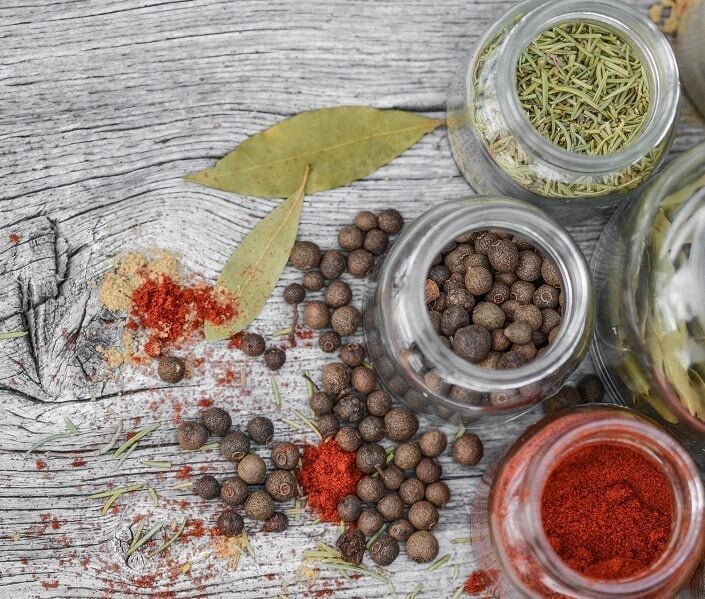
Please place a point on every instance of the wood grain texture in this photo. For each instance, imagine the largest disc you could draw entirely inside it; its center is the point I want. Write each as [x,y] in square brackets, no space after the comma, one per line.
[106,104]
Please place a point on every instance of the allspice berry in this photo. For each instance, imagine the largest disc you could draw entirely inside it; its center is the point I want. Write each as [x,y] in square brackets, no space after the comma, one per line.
[401,530]
[423,515]
[171,369]
[529,314]
[384,550]
[327,425]
[260,429]
[591,389]
[438,493]
[401,424]
[407,456]
[428,471]
[472,342]
[391,507]
[379,403]
[234,491]
[338,293]
[467,450]
[366,221]
[329,341]
[235,446]
[519,332]
[452,319]
[550,273]
[488,315]
[285,455]
[478,280]
[528,265]
[484,241]
[348,438]
[217,421]
[281,485]
[313,280]
[363,379]
[369,457]
[546,296]
[360,262]
[370,521]
[433,443]
[352,355]
[274,358]
[333,264]
[207,487]
[422,547]
[294,293]
[335,377]
[411,491]
[191,435]
[321,403]
[498,293]
[370,489]
[349,508]
[350,408]
[230,523]
[503,256]
[305,255]
[390,221]
[566,397]
[345,320]
[351,545]
[277,522]
[251,469]
[259,506]
[316,314]
[523,292]
[392,477]
[350,238]
[371,429]
[376,242]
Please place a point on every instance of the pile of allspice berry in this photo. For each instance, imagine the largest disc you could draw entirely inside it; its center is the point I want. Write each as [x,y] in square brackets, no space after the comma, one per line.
[253,489]
[495,299]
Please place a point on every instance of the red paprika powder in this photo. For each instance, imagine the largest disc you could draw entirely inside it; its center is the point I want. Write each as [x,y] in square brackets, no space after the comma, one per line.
[328,474]
[607,509]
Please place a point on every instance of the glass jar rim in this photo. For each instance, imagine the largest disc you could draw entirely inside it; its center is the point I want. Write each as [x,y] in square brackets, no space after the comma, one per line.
[637,30]
[647,438]
[520,218]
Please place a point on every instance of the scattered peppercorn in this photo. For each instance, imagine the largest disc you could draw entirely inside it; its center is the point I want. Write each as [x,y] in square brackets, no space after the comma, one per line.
[390,221]
[329,341]
[259,506]
[327,425]
[366,221]
[313,280]
[274,358]
[422,547]
[352,355]
[384,550]
[348,438]
[370,521]
[277,522]
[171,369]
[438,493]
[467,450]
[335,378]
[412,490]
[591,389]
[401,424]
[407,456]
[252,344]
[207,487]
[349,508]
[350,408]
[230,523]
[391,507]
[294,293]
[371,429]
[392,477]
[345,320]
[305,255]
[260,429]
[316,314]
[333,264]
[338,294]
[401,530]
[360,262]
[566,397]
[192,435]
[252,469]
[234,491]
[369,457]
[363,379]
[423,515]
[281,485]
[370,489]
[285,455]
[433,443]
[379,403]
[350,238]
[321,403]
[351,545]
[235,446]
[217,421]
[428,471]
[376,242]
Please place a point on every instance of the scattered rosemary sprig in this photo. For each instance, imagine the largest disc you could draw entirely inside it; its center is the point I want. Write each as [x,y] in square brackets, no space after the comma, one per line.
[187,484]
[136,544]
[154,496]
[456,571]
[461,431]
[121,460]
[415,593]
[135,439]
[159,465]
[292,423]
[168,542]
[206,447]
[310,385]
[70,426]
[439,563]
[283,332]
[136,536]
[12,335]
[309,423]
[377,535]
[113,495]
[458,592]
[462,541]
[276,392]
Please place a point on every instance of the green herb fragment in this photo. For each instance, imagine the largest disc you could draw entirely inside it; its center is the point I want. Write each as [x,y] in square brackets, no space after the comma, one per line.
[439,563]
[154,496]
[415,593]
[276,392]
[12,335]
[283,332]
[169,542]
[456,571]
[118,491]
[255,266]
[139,543]
[458,592]
[70,426]
[292,423]
[341,144]
[135,439]
[187,484]
[121,460]
[461,431]
[206,447]
[462,541]
[377,535]
[309,423]
[310,385]
[45,440]
[159,465]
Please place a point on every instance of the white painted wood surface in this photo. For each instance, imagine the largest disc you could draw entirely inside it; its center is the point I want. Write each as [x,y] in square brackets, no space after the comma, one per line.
[105,105]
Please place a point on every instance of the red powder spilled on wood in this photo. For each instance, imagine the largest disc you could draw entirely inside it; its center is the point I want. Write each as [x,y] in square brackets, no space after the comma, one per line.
[40,465]
[327,475]
[172,312]
[184,472]
[78,462]
[205,403]
[235,341]
[14,238]
[480,581]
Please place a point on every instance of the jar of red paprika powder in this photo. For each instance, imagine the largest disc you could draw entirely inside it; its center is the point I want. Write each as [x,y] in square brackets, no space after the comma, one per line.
[593,502]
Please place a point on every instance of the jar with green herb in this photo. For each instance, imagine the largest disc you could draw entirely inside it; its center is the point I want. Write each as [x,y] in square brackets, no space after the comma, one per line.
[649,271]
[565,103]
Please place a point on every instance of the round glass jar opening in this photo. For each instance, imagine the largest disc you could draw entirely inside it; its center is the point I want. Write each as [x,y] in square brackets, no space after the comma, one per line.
[404,345]
[520,547]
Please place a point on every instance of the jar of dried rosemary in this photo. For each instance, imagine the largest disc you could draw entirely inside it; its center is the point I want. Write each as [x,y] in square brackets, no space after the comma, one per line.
[650,333]
[565,102]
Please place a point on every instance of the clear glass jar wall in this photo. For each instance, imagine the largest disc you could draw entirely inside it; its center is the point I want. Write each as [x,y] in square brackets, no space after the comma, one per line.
[506,524]
[689,50]
[500,152]
[648,271]
[405,348]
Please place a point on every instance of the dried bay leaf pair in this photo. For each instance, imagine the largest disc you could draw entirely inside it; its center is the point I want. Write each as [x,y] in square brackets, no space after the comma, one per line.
[332,147]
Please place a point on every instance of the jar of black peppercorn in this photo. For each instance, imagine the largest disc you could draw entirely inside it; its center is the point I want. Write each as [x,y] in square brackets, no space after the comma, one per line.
[418,366]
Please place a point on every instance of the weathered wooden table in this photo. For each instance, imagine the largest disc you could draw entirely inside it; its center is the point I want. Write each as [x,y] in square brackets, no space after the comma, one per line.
[105,105]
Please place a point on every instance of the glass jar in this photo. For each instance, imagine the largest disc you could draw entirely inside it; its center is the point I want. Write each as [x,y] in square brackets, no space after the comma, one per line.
[689,51]
[499,151]
[405,348]
[648,267]
[512,548]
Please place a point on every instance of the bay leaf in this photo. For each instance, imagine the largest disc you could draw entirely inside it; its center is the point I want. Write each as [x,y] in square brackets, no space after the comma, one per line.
[255,266]
[341,144]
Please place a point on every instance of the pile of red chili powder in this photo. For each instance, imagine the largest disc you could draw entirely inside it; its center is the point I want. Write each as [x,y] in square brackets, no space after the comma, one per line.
[151,289]
[327,475]
[607,511]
